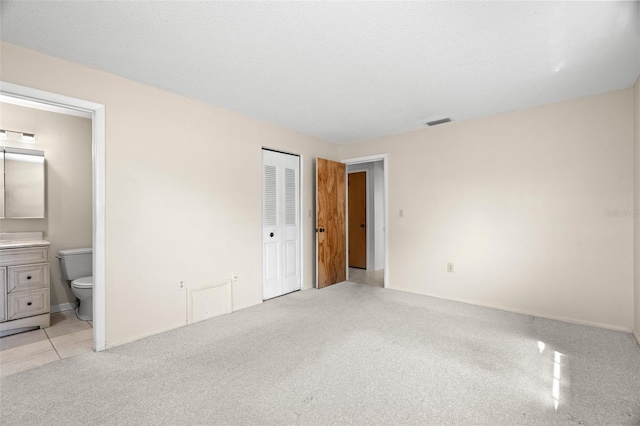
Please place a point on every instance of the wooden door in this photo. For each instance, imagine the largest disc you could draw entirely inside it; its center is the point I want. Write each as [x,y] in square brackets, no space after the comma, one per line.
[330,223]
[358,220]
[280,224]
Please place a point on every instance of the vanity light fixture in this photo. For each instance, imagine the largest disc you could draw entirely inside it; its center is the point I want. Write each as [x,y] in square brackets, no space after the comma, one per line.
[10,135]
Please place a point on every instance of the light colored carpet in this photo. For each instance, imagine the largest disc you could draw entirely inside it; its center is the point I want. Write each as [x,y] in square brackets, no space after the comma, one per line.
[347,354]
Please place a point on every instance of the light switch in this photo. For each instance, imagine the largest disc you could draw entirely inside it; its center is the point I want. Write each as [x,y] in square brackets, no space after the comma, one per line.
[401,213]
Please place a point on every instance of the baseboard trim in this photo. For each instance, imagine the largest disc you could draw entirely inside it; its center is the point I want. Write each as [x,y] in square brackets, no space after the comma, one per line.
[62,307]
[153,333]
[536,314]
[637,337]
[241,307]
[110,345]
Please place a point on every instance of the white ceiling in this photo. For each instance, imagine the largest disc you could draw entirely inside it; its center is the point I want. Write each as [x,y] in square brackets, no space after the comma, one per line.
[346,71]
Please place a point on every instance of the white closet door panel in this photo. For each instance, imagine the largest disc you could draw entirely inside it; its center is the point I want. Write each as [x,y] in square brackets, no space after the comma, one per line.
[270,196]
[291,253]
[281,223]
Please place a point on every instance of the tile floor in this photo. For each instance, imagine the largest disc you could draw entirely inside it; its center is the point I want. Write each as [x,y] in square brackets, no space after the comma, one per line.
[67,336]
[362,276]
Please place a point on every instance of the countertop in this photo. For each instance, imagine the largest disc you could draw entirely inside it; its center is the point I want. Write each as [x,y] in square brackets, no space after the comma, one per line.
[6,244]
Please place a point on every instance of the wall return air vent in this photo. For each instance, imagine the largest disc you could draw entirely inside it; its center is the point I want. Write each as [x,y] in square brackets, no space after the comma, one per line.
[436,122]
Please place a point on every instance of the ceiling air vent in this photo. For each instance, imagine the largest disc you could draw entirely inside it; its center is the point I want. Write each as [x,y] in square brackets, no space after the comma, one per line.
[436,122]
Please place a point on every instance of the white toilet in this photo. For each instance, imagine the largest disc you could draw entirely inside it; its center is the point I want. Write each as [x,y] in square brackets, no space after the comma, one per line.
[77,268]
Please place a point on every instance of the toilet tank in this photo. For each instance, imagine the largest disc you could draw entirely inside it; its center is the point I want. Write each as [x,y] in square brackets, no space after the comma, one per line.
[76,263]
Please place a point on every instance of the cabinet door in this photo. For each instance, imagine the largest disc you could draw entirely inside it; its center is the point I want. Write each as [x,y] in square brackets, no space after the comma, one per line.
[3,294]
[23,184]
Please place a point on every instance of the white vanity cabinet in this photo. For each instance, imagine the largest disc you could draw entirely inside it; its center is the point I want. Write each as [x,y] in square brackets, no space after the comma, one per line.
[24,285]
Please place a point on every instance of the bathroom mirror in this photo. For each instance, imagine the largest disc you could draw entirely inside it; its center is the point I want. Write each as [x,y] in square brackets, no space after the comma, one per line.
[24,183]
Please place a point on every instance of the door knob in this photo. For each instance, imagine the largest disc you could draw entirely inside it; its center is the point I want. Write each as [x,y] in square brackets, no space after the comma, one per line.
[362,225]
[271,234]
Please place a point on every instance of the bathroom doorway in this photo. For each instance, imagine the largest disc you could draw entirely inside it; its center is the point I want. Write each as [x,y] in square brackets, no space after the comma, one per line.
[47,101]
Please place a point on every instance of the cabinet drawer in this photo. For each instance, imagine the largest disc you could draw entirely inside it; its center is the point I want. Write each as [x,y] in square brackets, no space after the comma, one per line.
[28,303]
[27,277]
[21,256]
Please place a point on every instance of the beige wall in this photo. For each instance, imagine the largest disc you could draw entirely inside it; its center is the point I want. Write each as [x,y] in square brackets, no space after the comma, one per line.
[517,202]
[66,141]
[183,192]
[636,116]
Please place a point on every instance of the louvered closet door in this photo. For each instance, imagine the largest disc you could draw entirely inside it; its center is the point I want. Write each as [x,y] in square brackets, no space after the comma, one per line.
[280,223]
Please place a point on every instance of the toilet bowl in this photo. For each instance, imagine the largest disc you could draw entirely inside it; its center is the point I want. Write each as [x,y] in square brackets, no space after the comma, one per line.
[76,266]
[82,289]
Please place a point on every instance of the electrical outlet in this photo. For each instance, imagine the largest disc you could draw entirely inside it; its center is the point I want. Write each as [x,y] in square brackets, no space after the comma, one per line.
[449,267]
[182,284]
[234,277]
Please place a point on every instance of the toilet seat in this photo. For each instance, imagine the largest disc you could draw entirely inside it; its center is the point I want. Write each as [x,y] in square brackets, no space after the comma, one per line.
[84,282]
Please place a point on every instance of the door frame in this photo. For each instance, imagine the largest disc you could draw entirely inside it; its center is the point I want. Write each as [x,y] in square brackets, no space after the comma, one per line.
[368,261]
[385,164]
[300,216]
[98,121]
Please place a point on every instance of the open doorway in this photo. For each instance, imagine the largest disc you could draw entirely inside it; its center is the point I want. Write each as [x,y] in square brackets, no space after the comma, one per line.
[46,101]
[366,222]
[332,258]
